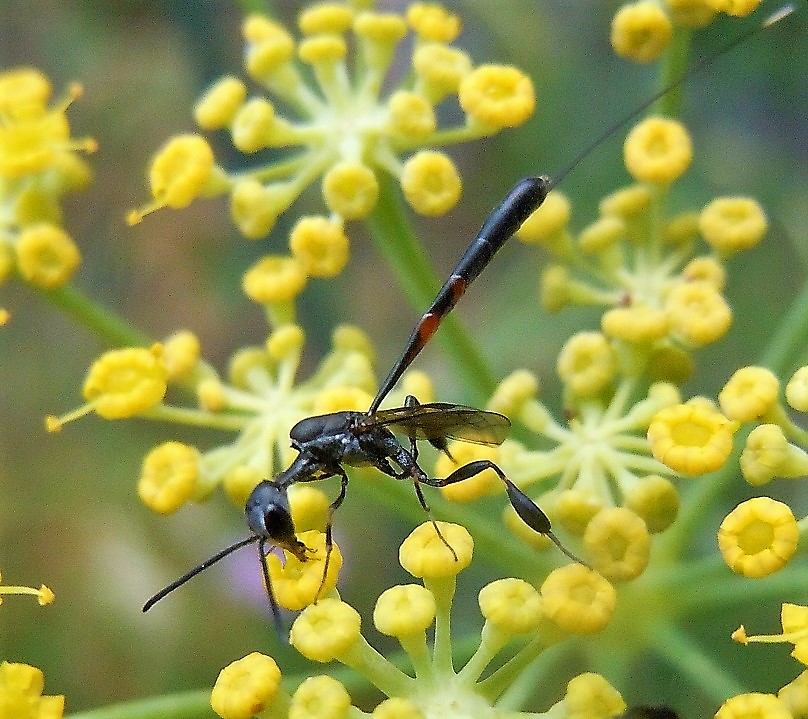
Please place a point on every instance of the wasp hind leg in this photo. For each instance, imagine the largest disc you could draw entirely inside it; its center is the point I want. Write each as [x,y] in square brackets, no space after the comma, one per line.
[529,512]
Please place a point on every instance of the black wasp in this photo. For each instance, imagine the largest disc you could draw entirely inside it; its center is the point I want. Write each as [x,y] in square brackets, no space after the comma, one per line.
[327,442]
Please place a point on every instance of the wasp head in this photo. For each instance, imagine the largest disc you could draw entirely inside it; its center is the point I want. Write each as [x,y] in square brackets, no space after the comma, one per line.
[270,517]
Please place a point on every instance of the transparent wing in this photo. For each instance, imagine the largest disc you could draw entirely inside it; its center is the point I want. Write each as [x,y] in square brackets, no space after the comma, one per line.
[442,420]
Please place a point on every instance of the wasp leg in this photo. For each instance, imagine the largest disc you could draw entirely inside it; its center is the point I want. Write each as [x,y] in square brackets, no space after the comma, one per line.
[420,494]
[329,543]
[529,512]
[273,604]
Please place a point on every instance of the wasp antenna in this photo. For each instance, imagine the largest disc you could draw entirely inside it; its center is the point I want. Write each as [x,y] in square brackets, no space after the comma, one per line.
[199,568]
[695,68]
[555,540]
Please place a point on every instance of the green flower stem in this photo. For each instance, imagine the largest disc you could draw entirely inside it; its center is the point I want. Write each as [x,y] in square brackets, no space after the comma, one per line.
[111,328]
[185,705]
[674,66]
[787,348]
[399,245]
[690,661]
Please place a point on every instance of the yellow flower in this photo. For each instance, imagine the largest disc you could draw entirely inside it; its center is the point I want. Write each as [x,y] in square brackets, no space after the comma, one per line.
[511,605]
[750,394]
[513,392]
[691,438]
[430,183]
[691,13]
[705,269]
[403,610]
[732,224]
[274,279]
[547,221]
[656,500]
[411,115]
[440,69]
[325,17]
[619,544]
[591,696]
[219,105]
[320,697]
[121,383]
[21,697]
[252,125]
[627,203]
[576,507]
[753,705]
[758,537]
[587,363]
[168,477]
[320,245]
[296,581]
[602,234]
[424,554]
[245,687]
[497,95]
[794,619]
[736,8]
[480,485]
[46,256]
[397,708]
[637,324]
[326,630]
[797,390]
[657,150]
[181,353]
[350,190]
[795,695]
[697,313]
[641,31]
[578,599]
[432,22]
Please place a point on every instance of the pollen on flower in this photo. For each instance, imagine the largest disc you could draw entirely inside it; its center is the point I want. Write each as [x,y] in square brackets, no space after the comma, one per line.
[320,245]
[587,363]
[296,581]
[168,477]
[697,313]
[350,190]
[273,279]
[750,394]
[732,224]
[511,605]
[326,630]
[404,609]
[126,382]
[548,220]
[430,183]
[424,555]
[46,255]
[432,22]
[691,438]
[641,31]
[21,687]
[497,95]
[758,537]
[657,150]
[320,697]
[218,106]
[619,543]
[245,687]
[578,599]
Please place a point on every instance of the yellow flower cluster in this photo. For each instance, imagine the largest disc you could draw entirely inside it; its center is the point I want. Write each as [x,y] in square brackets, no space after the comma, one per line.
[38,165]
[340,123]
[642,30]
[663,300]
[519,620]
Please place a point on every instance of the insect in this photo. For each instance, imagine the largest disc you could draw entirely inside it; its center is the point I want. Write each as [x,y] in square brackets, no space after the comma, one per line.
[327,443]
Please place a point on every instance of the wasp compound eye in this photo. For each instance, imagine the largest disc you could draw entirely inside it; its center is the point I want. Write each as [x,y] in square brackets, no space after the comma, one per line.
[269,515]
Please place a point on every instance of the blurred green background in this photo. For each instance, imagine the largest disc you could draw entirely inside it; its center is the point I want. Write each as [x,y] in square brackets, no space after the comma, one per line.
[69,515]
